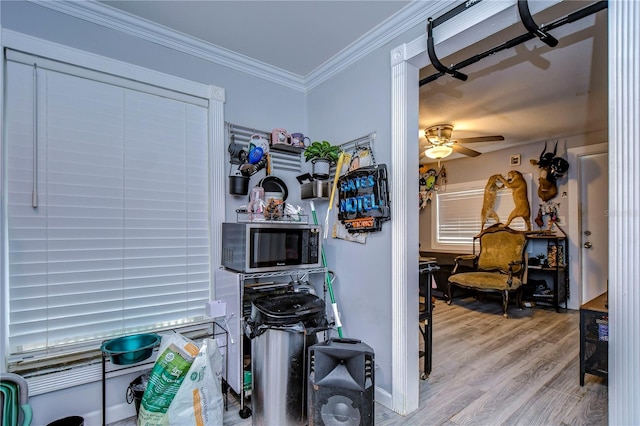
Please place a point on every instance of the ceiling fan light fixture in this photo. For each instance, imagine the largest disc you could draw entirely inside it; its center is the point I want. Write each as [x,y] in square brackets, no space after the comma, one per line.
[438,134]
[439,151]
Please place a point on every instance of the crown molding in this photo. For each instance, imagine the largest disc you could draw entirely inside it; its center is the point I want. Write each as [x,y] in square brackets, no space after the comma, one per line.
[114,19]
[100,14]
[413,14]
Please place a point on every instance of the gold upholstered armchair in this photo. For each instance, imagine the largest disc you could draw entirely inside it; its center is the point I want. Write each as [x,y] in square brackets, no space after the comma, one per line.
[498,267]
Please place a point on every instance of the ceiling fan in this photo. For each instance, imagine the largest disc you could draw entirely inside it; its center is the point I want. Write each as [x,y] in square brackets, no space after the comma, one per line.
[440,145]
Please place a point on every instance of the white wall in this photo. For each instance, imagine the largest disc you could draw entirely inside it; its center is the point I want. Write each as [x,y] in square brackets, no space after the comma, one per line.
[478,169]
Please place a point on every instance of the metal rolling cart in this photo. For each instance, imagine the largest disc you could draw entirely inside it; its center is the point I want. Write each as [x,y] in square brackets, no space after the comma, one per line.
[125,360]
[237,290]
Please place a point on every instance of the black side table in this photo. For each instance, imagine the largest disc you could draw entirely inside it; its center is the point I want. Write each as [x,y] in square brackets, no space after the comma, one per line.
[594,337]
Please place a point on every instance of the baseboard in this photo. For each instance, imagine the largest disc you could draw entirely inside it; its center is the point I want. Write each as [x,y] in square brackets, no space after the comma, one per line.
[383,397]
[115,413]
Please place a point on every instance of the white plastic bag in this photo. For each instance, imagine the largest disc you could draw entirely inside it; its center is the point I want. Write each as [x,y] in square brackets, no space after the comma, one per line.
[199,399]
[175,357]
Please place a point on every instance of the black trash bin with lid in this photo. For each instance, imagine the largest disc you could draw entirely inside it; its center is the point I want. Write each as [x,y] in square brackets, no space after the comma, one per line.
[282,327]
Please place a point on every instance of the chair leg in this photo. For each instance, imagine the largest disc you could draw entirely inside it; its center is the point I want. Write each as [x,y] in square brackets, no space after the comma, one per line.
[449,298]
[505,303]
[519,298]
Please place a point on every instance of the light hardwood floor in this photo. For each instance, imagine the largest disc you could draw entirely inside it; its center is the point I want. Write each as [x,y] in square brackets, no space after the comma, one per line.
[488,370]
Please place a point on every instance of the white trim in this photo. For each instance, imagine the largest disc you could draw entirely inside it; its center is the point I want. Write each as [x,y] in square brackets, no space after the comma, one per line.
[404,110]
[114,414]
[58,52]
[410,16]
[404,272]
[108,17]
[573,230]
[4,243]
[382,397]
[413,14]
[624,211]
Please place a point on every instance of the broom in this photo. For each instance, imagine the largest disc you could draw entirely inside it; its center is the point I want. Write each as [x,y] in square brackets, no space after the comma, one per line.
[327,277]
[341,159]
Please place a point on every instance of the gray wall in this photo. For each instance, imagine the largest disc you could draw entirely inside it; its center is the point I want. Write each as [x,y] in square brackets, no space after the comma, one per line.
[250,101]
[349,105]
[353,104]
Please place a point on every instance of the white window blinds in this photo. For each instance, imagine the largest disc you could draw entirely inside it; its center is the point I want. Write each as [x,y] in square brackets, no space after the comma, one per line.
[119,239]
[457,214]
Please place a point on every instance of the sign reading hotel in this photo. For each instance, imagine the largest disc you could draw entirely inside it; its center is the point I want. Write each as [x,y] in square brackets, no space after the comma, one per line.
[363,199]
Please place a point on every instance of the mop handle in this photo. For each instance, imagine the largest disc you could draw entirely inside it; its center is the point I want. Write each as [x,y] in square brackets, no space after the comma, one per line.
[327,278]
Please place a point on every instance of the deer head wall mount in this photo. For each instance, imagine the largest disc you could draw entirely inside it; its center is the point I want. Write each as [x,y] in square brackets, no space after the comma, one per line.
[551,168]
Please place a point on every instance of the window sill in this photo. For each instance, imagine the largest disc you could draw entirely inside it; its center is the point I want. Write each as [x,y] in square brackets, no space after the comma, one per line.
[49,373]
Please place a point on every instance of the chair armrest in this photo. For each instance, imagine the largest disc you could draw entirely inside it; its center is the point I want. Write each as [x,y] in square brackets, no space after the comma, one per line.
[512,265]
[464,258]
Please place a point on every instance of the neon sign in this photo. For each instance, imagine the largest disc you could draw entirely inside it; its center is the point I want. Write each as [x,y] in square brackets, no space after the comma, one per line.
[363,199]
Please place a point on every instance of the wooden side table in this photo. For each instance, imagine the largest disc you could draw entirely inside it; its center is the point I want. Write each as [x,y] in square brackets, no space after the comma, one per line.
[594,337]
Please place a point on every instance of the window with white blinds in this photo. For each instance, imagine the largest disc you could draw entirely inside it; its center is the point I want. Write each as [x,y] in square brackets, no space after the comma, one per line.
[107,207]
[456,214]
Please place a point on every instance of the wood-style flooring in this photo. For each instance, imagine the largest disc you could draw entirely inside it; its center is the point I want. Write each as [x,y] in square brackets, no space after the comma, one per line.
[488,370]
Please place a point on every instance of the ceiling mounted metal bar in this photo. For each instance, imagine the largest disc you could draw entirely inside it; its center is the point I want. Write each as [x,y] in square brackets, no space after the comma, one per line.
[572,17]
[455,12]
[434,58]
[532,27]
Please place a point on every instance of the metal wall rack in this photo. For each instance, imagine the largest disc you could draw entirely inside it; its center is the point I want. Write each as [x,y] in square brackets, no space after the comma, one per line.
[282,158]
[287,157]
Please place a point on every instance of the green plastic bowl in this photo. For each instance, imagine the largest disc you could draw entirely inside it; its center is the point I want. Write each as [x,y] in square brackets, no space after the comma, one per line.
[130,349]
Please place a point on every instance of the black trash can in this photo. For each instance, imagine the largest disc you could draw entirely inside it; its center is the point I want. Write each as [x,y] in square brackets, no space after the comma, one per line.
[282,327]
[136,389]
[68,421]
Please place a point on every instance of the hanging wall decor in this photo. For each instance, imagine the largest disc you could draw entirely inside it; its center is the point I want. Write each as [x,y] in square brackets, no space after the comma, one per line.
[363,199]
[431,182]
[551,168]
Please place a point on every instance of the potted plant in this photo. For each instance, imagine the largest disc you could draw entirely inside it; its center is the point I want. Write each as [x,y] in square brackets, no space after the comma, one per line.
[322,155]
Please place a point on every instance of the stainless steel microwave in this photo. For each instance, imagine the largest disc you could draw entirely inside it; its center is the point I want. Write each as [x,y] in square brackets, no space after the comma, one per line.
[263,247]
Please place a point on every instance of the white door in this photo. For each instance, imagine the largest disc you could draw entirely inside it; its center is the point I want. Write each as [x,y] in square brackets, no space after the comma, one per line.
[593,243]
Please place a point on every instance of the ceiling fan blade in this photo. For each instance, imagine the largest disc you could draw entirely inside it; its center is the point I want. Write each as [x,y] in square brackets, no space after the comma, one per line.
[481,139]
[464,150]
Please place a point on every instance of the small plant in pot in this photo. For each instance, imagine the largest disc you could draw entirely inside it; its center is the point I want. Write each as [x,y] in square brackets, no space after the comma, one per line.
[322,155]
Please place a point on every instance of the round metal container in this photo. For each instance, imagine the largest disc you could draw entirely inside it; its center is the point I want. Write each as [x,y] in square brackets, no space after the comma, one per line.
[130,349]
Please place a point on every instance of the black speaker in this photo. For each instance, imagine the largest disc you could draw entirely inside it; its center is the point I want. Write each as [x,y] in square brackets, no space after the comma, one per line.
[341,383]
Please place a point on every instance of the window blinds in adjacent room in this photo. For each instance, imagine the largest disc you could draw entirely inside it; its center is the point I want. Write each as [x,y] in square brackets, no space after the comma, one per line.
[456,214]
[117,240]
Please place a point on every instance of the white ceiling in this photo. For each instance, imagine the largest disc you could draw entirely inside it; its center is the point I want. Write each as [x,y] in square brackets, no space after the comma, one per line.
[297,36]
[527,94]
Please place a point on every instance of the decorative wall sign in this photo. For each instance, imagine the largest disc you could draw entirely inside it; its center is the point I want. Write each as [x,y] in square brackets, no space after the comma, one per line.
[363,199]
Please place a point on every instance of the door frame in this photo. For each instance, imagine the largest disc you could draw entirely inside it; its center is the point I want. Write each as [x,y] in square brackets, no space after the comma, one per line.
[575,270]
[623,294]
[406,61]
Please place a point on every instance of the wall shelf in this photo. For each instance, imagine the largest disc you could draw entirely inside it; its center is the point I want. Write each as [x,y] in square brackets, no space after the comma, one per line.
[555,244]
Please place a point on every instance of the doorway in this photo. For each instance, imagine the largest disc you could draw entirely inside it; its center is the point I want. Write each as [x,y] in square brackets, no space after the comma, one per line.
[407,60]
[588,201]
